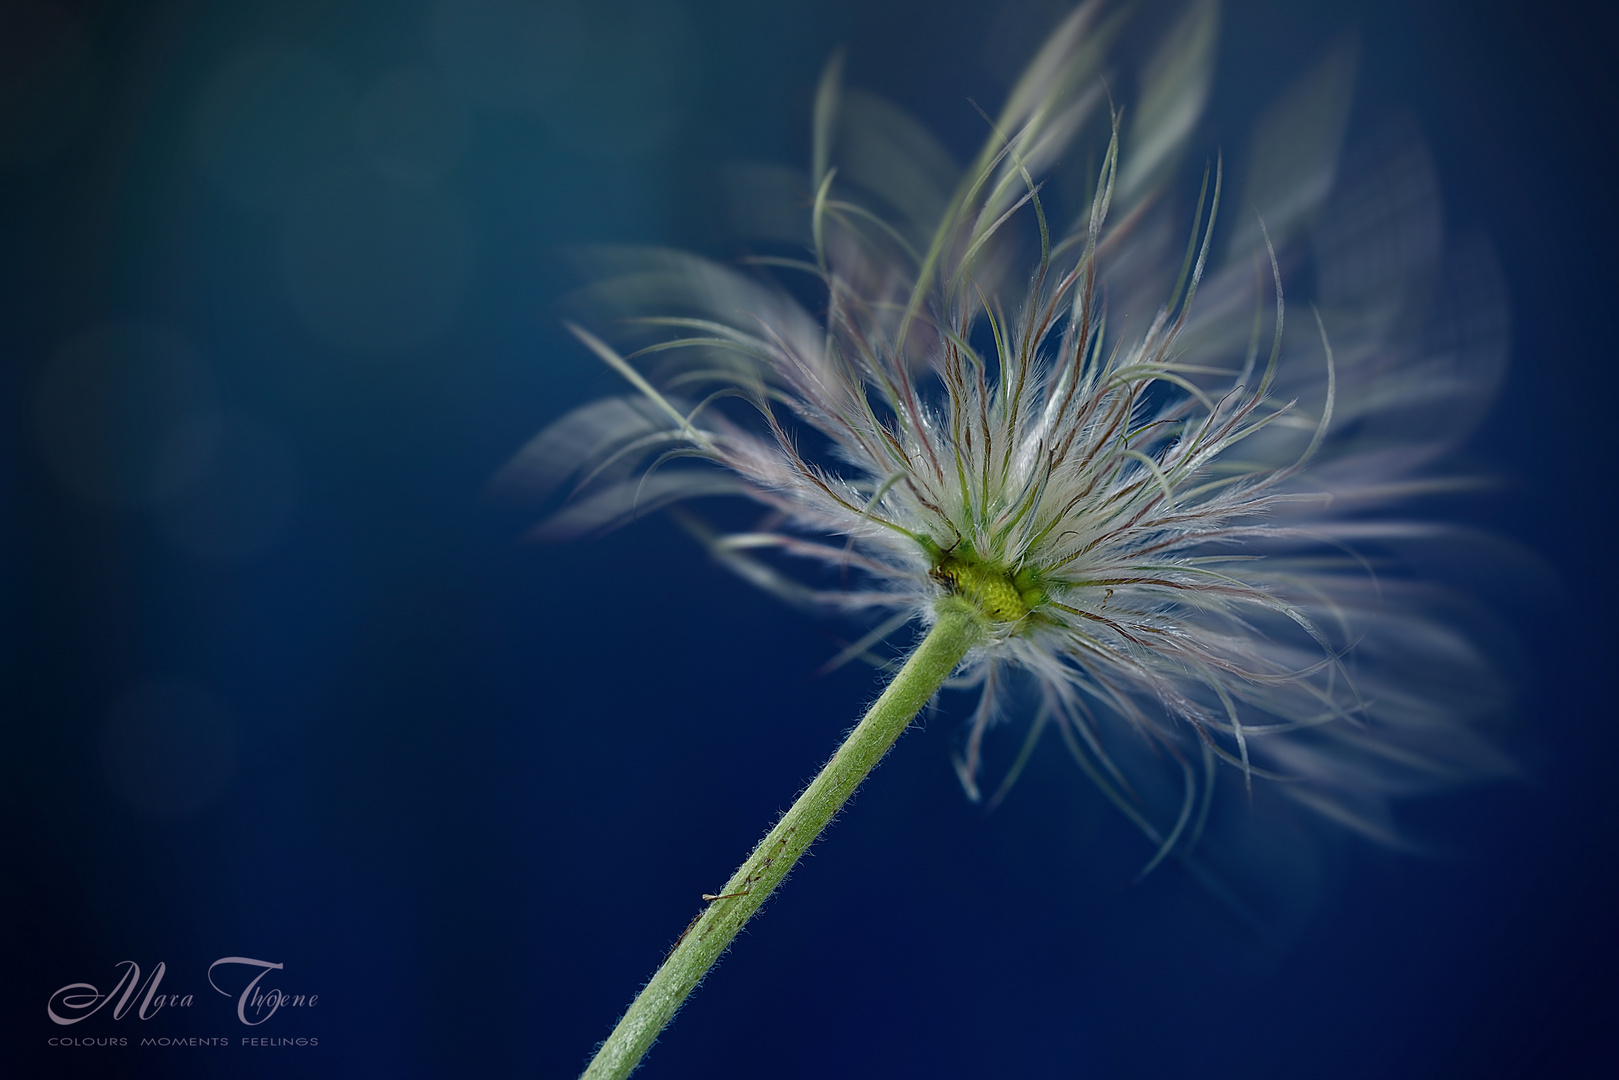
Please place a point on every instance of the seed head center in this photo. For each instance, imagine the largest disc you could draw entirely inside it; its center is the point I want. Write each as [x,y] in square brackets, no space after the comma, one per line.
[998,593]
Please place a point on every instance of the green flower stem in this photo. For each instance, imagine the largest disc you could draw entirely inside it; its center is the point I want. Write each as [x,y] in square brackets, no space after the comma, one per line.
[960,626]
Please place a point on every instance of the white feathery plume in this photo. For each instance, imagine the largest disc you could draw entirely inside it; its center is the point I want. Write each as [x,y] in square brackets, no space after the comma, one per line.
[1151,475]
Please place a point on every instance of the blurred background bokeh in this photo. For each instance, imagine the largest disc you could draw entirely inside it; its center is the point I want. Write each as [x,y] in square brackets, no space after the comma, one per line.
[279,291]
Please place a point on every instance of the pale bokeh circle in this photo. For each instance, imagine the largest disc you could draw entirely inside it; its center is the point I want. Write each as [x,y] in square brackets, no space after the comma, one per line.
[242,503]
[126,414]
[373,266]
[168,748]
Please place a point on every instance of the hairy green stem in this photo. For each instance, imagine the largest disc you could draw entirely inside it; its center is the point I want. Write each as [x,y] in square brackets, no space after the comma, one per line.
[960,626]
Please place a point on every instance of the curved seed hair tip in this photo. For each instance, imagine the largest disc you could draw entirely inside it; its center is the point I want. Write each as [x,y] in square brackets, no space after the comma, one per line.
[1072,427]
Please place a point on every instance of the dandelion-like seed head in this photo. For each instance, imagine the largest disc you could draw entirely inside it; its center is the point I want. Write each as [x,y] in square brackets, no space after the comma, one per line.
[1108,437]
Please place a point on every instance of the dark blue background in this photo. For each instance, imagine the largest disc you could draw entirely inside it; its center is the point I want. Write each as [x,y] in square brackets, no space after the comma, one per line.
[468,790]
